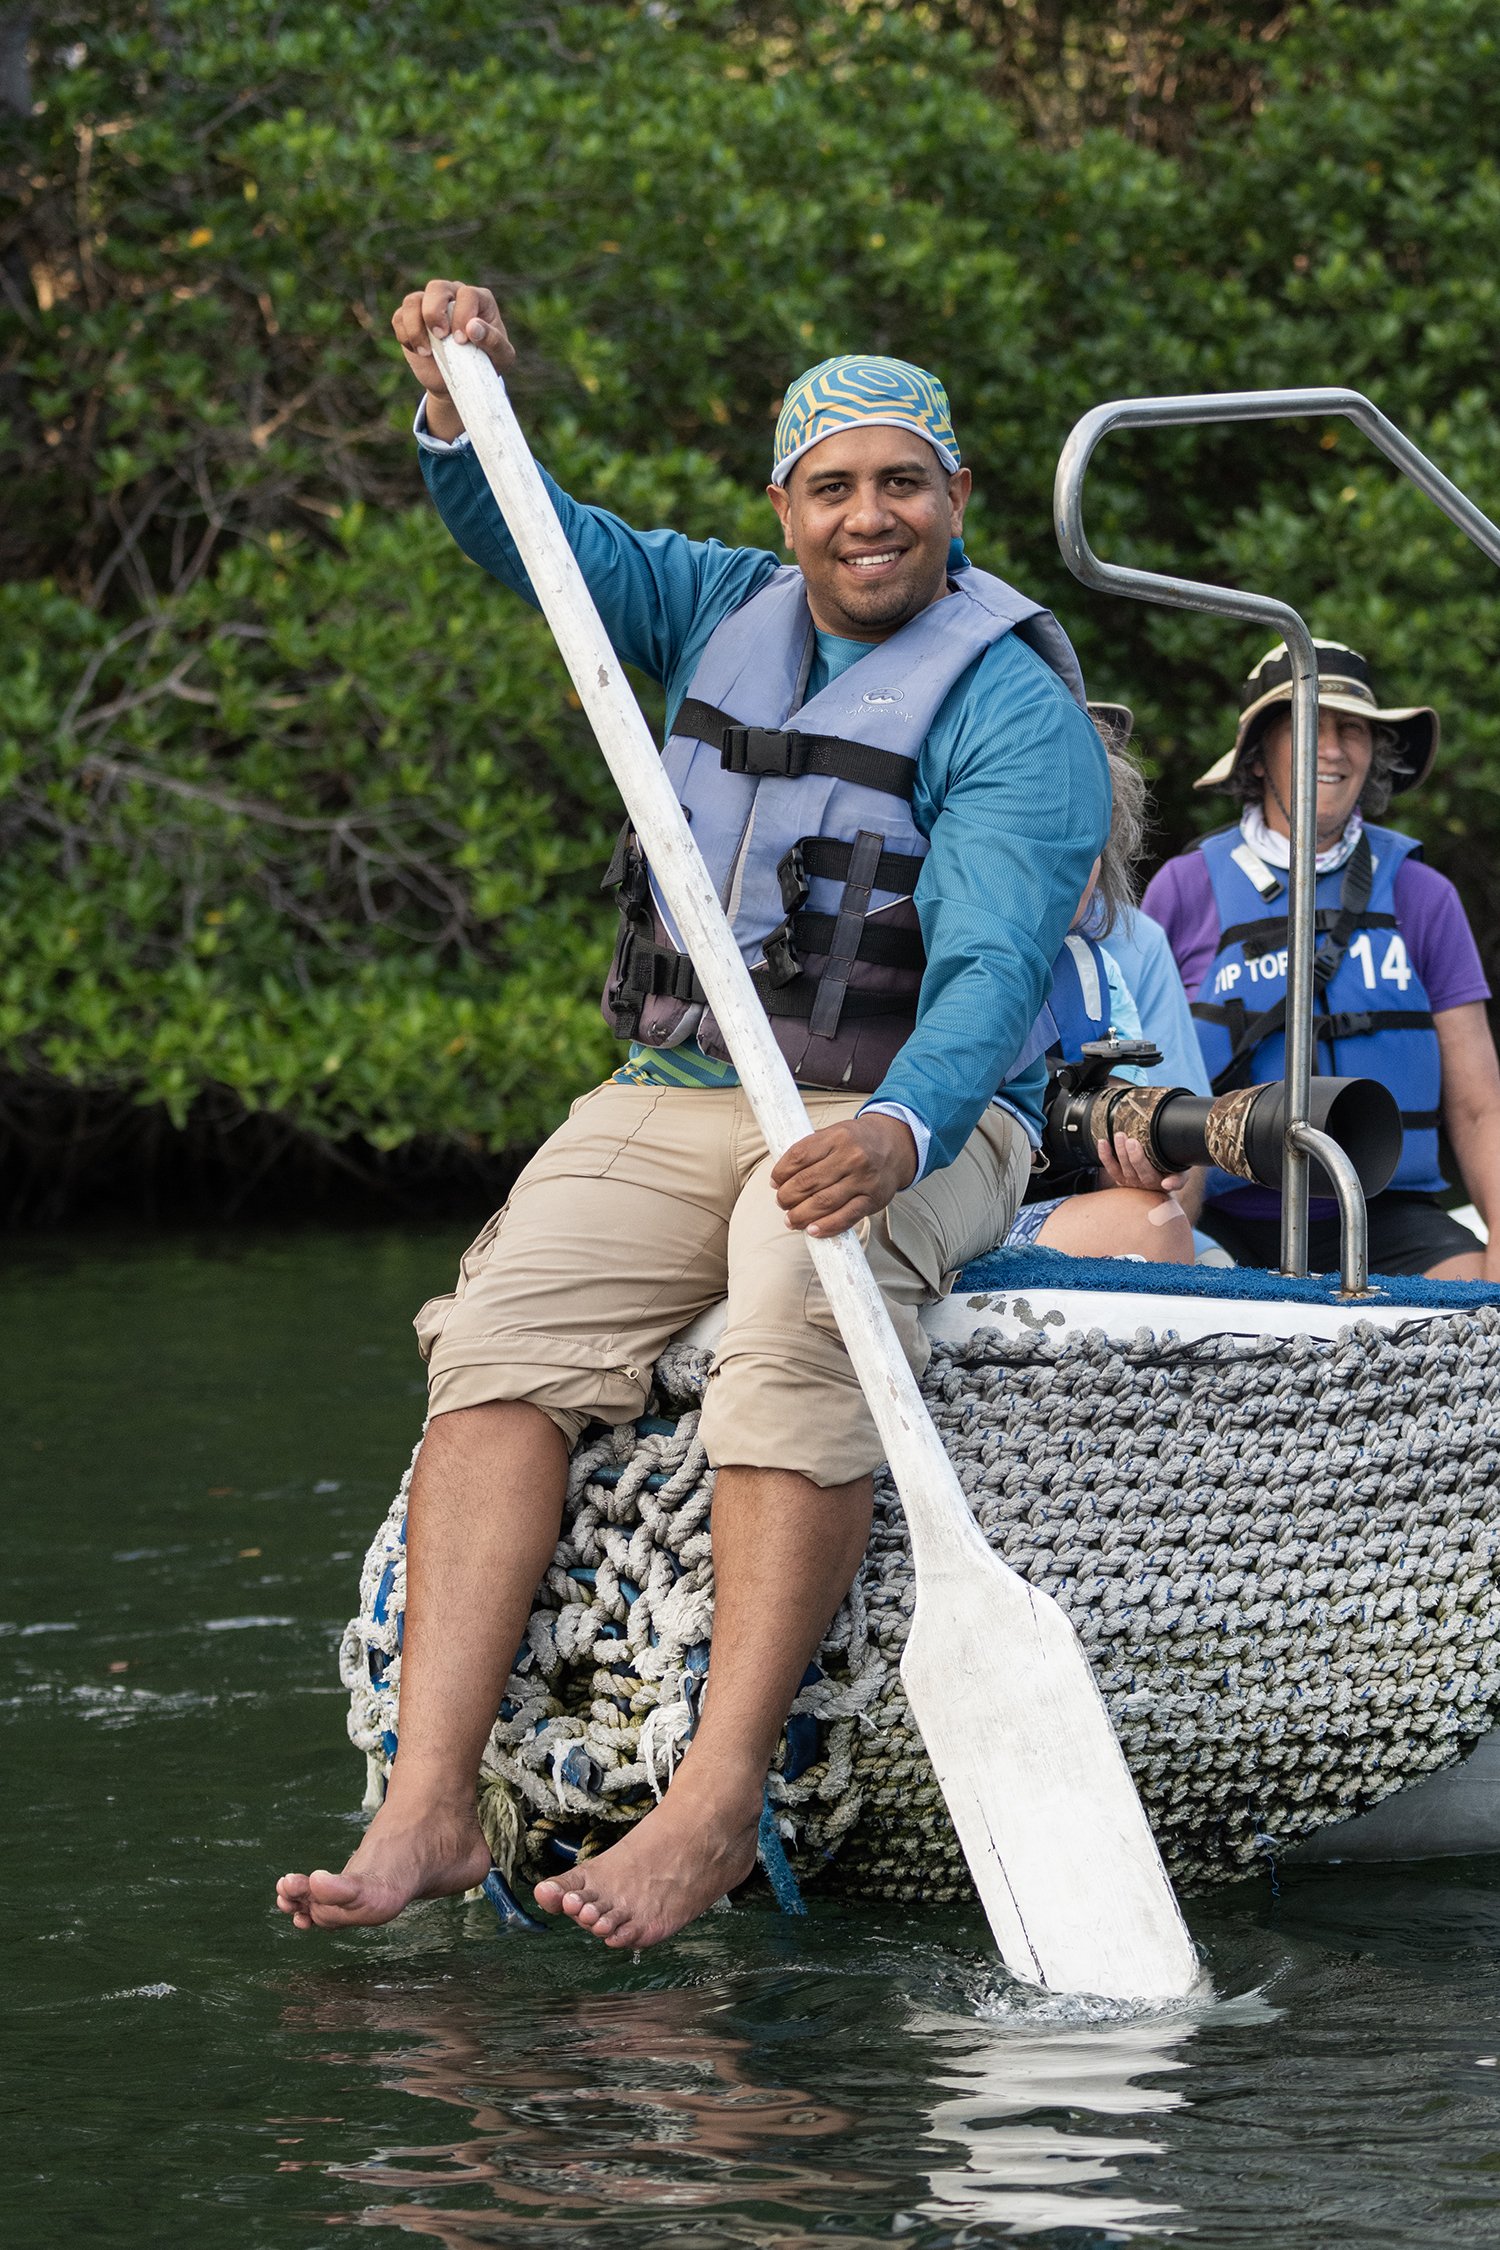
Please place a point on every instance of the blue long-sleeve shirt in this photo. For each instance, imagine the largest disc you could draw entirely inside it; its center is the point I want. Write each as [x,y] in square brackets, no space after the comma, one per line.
[1012,790]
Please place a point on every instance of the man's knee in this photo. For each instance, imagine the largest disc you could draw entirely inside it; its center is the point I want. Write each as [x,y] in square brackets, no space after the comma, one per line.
[739,1480]
[492,1426]
[788,1399]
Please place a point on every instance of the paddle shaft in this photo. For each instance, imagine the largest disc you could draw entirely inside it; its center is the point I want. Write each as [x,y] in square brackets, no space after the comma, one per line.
[937,1513]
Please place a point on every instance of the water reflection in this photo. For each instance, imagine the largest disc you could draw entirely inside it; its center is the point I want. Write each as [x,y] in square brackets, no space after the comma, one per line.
[1019,2114]
[593,2107]
[616,2116]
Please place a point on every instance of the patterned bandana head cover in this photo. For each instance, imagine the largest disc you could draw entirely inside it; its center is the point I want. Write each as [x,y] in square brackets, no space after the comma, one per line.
[840,394]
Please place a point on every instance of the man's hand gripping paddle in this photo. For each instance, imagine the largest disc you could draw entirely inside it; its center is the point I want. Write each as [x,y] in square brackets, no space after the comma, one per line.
[1035,1781]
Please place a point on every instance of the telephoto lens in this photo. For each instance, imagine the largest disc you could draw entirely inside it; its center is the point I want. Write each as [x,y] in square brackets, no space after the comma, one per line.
[1243,1132]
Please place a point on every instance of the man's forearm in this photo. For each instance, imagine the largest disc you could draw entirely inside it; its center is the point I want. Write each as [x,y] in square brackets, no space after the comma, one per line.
[1471,1109]
[658,593]
[1475,1137]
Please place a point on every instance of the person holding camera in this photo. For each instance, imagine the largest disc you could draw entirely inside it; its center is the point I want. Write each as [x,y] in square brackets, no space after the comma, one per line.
[1126,1208]
[888,767]
[1400,993]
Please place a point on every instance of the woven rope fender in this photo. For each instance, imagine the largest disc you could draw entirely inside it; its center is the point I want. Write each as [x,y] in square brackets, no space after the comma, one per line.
[1281,1554]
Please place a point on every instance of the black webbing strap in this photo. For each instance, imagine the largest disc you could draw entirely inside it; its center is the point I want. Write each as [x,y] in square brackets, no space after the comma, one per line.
[664,972]
[822,856]
[1356,1023]
[848,929]
[787,754]
[799,999]
[1225,1015]
[1354,897]
[1263,936]
[659,969]
[885,948]
[626,877]
[1351,1023]
[1420,1120]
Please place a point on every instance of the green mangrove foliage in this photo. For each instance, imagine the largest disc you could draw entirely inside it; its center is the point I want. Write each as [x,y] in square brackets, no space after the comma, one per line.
[295,803]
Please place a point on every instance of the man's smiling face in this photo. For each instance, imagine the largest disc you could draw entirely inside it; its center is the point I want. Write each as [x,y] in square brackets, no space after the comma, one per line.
[868,514]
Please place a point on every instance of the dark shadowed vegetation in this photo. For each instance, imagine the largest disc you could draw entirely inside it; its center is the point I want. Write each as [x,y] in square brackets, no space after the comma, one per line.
[299,833]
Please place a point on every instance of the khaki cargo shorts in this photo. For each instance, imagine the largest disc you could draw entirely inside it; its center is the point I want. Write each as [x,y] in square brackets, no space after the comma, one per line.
[652,1204]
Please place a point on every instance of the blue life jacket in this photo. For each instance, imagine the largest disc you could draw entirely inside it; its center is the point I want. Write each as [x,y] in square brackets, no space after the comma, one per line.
[802,812]
[1079,1010]
[1371,1014]
[1080,996]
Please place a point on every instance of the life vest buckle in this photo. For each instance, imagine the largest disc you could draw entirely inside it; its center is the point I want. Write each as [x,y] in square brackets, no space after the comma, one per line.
[791,875]
[626,873]
[764,751]
[782,958]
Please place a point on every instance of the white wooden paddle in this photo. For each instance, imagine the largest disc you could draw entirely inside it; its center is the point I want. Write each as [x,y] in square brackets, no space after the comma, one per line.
[1035,1781]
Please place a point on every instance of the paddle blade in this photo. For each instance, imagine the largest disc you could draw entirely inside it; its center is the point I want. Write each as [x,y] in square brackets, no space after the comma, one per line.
[1038,1790]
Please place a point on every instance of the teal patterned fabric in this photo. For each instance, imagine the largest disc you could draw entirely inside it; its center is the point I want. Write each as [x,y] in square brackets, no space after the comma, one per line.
[839,394]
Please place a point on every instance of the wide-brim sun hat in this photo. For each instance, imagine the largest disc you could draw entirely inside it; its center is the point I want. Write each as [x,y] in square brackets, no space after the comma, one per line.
[1344,684]
[1115,721]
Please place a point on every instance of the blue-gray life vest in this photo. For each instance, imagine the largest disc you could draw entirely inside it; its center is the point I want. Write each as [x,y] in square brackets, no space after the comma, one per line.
[802,812]
[1371,1014]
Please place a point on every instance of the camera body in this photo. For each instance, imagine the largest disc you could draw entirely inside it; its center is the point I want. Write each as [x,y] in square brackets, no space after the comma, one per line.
[1069,1159]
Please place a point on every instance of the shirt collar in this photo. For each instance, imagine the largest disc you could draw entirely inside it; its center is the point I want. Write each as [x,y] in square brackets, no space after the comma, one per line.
[1276,850]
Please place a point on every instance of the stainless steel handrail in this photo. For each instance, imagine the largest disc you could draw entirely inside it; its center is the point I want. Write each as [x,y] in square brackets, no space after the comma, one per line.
[1354,1219]
[1263,609]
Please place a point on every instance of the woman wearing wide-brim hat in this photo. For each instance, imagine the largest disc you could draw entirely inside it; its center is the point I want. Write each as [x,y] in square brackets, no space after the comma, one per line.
[1400,990]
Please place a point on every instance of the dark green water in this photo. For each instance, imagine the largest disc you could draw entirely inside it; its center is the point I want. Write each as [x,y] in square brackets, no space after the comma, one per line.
[199,1439]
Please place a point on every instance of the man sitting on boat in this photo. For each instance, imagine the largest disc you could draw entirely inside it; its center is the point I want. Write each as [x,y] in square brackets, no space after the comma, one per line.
[887,763]
[1400,991]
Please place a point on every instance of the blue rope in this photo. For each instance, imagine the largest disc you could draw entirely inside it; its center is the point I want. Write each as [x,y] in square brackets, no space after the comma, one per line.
[508,1909]
[1267,1845]
[773,1859]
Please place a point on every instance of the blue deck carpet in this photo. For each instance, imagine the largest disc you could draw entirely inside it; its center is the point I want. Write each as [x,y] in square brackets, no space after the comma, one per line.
[1037,1268]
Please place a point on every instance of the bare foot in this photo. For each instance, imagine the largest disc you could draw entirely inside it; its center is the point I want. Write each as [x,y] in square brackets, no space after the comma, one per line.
[404,1856]
[663,1873]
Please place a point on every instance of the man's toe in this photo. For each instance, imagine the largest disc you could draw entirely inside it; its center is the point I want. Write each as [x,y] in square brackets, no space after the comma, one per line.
[327,1889]
[345,1913]
[561,1894]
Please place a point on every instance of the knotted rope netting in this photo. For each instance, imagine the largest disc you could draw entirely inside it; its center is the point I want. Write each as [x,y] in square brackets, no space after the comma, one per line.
[1281,1555]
